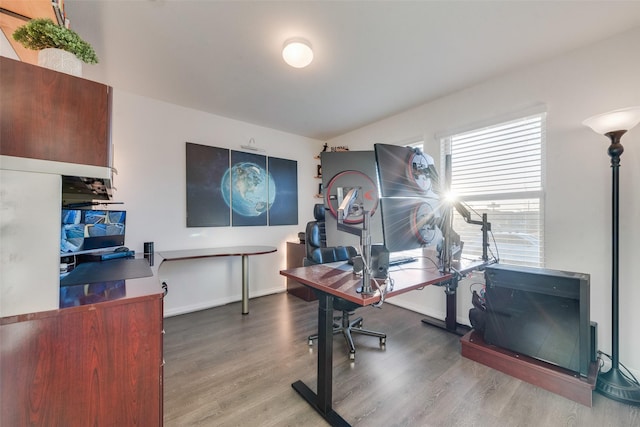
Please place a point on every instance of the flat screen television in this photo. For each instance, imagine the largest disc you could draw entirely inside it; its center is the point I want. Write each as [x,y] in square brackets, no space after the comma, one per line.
[84,231]
[540,313]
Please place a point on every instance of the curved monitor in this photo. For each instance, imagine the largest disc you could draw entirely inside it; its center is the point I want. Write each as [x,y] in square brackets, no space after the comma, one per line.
[340,185]
[410,223]
[410,202]
[341,172]
[405,171]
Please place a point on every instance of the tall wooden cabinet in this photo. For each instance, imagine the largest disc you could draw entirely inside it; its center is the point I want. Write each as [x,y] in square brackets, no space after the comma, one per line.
[50,115]
[92,365]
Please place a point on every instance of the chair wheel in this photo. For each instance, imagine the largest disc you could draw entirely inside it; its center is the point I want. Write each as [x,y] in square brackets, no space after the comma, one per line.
[352,356]
[360,324]
[383,341]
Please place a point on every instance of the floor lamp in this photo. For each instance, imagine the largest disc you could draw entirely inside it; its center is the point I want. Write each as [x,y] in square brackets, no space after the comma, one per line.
[614,383]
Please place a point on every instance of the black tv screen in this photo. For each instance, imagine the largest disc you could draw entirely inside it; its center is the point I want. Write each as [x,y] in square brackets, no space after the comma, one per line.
[540,313]
[85,231]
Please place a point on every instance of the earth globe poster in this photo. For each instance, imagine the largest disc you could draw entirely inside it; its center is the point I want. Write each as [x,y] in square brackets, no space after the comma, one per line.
[284,210]
[250,183]
[205,201]
[226,187]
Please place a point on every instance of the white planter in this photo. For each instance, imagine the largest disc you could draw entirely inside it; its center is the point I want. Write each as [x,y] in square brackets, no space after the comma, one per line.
[60,60]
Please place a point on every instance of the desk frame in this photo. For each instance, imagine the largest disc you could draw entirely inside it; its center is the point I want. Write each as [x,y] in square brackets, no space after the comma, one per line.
[243,251]
[337,280]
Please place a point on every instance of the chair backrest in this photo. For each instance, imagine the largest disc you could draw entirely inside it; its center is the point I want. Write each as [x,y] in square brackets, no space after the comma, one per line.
[315,233]
[317,251]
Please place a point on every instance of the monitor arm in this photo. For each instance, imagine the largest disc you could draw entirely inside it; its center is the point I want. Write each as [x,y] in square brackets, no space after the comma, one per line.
[486,226]
[347,205]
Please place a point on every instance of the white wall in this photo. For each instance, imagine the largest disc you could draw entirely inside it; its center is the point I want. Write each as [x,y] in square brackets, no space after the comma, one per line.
[29,241]
[149,139]
[588,81]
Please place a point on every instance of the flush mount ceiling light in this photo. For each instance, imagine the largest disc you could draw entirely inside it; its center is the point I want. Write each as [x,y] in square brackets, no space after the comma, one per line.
[297,53]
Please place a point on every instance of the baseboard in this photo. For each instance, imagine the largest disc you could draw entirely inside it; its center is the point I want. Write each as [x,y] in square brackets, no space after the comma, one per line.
[204,305]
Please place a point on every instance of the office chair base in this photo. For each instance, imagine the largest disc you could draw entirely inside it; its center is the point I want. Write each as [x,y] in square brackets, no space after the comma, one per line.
[347,328]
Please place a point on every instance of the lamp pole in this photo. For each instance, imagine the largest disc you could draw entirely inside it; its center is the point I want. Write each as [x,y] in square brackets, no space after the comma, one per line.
[615,384]
[615,151]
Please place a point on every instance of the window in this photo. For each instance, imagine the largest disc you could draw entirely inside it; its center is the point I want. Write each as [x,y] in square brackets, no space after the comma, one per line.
[497,170]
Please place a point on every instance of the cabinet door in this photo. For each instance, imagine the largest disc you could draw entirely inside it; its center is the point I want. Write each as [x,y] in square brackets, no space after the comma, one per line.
[49,115]
[96,365]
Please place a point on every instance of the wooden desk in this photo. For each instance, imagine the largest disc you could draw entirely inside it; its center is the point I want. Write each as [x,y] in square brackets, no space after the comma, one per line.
[338,280]
[243,251]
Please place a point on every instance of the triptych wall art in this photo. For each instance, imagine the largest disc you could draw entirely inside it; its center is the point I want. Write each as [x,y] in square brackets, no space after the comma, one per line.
[234,188]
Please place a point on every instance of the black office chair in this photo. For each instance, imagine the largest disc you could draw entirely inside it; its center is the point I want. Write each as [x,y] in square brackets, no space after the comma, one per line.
[317,252]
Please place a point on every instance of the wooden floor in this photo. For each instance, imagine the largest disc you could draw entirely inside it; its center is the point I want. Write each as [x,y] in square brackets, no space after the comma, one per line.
[226,369]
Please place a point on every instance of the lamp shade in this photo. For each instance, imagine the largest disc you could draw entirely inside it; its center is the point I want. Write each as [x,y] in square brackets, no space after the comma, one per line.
[297,53]
[624,119]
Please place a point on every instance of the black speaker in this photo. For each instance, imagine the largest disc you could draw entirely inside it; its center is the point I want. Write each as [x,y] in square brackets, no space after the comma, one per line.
[379,262]
[148,252]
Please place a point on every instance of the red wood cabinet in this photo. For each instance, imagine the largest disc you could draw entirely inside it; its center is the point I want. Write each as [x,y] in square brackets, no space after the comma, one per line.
[50,115]
[94,365]
[295,255]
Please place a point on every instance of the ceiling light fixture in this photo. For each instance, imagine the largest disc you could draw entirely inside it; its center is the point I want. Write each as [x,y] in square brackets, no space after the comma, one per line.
[297,53]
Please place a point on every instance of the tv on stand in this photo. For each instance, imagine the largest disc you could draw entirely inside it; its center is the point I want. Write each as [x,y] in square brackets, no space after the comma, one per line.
[540,313]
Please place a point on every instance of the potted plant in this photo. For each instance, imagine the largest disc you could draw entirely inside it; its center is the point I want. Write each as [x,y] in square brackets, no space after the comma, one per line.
[43,34]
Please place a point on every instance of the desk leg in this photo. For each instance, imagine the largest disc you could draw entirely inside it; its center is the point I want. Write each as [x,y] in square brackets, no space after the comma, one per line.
[450,323]
[321,401]
[245,284]
[325,352]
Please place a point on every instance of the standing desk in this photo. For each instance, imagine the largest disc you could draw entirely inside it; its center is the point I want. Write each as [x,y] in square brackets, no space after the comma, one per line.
[243,251]
[337,280]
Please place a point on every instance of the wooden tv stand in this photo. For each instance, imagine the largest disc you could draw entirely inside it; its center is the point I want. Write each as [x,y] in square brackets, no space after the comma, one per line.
[545,375]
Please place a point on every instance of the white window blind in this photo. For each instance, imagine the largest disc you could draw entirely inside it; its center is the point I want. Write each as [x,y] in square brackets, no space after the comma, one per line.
[497,170]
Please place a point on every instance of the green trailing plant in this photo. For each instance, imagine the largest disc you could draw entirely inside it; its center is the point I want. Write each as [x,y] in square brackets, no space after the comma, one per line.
[43,33]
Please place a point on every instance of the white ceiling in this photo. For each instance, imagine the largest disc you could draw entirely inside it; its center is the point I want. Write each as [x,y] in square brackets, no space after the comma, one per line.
[372,59]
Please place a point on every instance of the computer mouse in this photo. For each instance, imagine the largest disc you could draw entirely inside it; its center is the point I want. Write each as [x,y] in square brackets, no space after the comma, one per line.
[122,249]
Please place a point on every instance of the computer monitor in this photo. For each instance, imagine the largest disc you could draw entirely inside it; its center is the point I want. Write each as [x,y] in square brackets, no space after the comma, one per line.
[341,172]
[405,172]
[410,223]
[409,198]
[398,187]
[85,231]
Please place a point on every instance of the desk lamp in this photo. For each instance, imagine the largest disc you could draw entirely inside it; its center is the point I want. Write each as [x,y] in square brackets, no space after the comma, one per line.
[614,384]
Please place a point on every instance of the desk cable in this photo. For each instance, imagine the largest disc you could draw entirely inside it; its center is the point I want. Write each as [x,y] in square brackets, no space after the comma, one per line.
[388,286]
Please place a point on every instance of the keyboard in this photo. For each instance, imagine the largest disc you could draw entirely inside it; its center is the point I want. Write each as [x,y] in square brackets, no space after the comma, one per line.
[393,262]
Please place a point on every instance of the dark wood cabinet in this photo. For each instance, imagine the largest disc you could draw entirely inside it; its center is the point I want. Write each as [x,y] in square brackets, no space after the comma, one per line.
[295,255]
[93,365]
[50,115]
